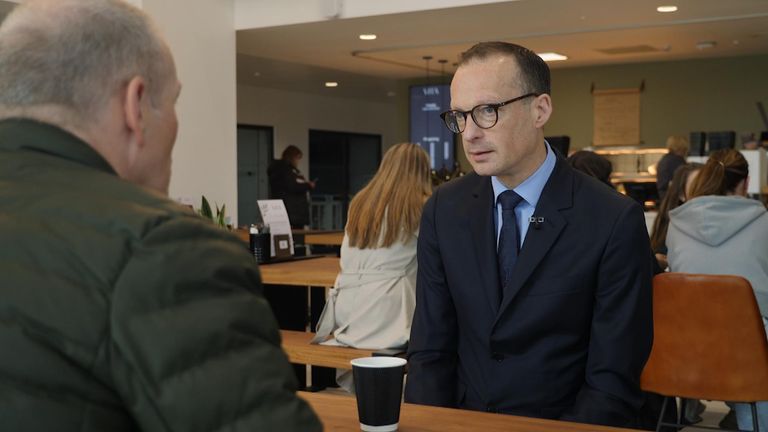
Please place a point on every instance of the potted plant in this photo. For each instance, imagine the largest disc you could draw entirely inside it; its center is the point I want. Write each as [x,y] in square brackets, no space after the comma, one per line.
[219,218]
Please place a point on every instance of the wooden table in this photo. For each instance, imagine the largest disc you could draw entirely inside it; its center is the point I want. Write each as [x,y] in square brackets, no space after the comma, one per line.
[339,413]
[325,238]
[296,345]
[316,272]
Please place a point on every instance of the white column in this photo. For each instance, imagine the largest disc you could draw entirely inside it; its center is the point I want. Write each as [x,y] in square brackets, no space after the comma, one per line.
[202,38]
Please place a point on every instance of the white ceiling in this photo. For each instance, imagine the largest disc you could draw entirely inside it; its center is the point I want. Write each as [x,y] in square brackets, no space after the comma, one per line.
[302,56]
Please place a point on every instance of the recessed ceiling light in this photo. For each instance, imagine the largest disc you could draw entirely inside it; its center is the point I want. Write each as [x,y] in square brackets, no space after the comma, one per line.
[368,36]
[331,84]
[552,56]
[666,9]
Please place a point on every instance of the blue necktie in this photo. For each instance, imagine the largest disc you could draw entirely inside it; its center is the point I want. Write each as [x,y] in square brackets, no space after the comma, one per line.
[509,243]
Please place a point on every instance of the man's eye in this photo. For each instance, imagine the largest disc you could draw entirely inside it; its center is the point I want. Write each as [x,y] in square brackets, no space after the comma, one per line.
[485,110]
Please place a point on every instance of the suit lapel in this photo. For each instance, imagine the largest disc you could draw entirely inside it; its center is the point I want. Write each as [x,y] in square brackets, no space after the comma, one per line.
[557,195]
[483,232]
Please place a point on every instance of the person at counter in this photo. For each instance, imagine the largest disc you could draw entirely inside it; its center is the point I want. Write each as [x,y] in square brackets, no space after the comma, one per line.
[533,291]
[288,184]
[675,157]
[120,310]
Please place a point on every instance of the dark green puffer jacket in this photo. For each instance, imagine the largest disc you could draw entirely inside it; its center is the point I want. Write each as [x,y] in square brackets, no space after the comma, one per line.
[123,311]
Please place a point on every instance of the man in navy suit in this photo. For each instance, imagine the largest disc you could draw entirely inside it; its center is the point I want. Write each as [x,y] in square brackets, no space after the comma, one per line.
[534,281]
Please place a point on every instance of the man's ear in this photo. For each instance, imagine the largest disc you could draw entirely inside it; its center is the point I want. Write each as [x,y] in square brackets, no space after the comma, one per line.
[542,110]
[134,95]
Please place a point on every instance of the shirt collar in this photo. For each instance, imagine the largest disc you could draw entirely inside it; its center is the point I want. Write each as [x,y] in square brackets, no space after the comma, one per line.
[530,189]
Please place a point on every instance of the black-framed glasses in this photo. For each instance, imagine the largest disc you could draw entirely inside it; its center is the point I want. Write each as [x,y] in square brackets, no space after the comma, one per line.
[485,116]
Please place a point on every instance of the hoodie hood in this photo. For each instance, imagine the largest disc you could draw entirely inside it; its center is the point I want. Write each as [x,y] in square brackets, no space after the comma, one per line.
[713,219]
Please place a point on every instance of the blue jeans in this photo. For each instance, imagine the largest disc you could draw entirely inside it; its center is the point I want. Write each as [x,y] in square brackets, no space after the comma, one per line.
[744,416]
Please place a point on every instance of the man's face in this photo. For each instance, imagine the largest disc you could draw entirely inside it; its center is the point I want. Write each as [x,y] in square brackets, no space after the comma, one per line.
[160,134]
[513,148]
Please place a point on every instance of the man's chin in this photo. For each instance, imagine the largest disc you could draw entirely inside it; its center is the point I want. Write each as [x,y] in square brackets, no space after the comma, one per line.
[483,169]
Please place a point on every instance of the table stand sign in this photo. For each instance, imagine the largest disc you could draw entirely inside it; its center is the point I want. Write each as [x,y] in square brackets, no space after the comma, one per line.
[273,213]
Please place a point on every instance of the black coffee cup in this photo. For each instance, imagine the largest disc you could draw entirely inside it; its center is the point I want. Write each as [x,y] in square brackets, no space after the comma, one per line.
[379,391]
[260,246]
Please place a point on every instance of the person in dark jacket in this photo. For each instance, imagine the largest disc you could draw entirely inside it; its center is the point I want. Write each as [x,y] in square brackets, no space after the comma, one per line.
[665,168]
[593,165]
[120,310]
[288,184]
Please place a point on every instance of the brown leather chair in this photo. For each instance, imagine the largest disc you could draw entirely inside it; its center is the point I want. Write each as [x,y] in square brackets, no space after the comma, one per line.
[709,341]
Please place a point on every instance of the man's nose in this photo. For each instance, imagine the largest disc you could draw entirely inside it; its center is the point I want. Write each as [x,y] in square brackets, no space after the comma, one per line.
[471,130]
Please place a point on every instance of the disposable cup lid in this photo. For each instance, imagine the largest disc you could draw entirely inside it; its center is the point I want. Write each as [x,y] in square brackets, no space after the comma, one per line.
[378,362]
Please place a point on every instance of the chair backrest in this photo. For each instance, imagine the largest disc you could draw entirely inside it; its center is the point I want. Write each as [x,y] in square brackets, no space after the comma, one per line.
[709,341]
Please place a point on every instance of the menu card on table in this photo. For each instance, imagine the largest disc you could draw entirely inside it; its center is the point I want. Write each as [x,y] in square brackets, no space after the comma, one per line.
[274,215]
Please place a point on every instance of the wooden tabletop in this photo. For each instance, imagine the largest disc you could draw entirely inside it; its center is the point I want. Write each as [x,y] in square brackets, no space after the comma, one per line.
[328,238]
[296,345]
[316,272]
[339,413]
[311,237]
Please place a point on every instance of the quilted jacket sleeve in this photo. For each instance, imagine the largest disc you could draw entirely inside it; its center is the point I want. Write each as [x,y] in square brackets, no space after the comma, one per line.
[193,344]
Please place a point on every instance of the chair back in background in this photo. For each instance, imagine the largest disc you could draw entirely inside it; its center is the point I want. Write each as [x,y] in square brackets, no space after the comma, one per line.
[709,340]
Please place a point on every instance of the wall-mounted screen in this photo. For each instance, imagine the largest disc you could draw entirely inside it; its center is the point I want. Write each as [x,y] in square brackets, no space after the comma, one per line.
[427,128]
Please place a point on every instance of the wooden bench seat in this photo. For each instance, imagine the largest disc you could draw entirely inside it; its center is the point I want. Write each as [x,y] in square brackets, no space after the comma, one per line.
[299,349]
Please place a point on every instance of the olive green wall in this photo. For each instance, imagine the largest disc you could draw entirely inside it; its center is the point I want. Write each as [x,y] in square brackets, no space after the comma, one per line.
[679,97]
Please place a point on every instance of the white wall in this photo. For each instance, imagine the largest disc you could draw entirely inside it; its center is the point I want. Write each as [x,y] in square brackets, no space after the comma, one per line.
[268,13]
[202,37]
[293,114]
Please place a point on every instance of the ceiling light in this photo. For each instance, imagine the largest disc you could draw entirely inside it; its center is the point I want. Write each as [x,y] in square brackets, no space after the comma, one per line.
[367,36]
[331,84]
[552,56]
[705,45]
[666,9]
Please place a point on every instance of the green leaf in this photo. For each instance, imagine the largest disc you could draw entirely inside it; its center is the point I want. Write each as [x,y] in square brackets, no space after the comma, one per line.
[205,209]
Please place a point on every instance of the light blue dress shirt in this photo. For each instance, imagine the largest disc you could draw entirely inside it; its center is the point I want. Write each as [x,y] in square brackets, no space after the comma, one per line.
[529,190]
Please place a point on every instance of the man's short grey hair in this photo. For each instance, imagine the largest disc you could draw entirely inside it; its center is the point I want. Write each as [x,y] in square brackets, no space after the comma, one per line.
[74,55]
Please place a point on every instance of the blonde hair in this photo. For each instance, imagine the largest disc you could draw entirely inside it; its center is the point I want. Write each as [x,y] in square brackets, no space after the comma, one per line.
[397,192]
[724,170]
[678,144]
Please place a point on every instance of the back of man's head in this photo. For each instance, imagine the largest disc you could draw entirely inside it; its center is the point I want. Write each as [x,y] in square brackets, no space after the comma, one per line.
[63,60]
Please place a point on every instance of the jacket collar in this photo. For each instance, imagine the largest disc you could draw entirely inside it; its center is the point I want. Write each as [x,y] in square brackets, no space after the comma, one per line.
[556,197]
[35,136]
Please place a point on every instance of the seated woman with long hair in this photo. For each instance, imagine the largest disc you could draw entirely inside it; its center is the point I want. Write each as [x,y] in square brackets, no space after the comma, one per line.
[371,305]
[719,231]
[677,194]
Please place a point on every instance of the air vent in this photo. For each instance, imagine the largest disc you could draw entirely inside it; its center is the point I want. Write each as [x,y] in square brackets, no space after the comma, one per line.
[636,49]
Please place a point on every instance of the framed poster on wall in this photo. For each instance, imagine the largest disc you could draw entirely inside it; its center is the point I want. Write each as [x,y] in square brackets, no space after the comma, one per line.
[616,117]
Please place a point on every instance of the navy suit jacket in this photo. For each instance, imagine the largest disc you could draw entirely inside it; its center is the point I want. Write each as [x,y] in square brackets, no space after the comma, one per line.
[574,328]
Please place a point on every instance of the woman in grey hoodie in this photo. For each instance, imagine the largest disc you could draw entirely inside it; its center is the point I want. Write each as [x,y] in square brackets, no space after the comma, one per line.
[720,231]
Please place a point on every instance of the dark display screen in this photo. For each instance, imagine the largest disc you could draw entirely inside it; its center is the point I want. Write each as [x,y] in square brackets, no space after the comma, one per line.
[427,128]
